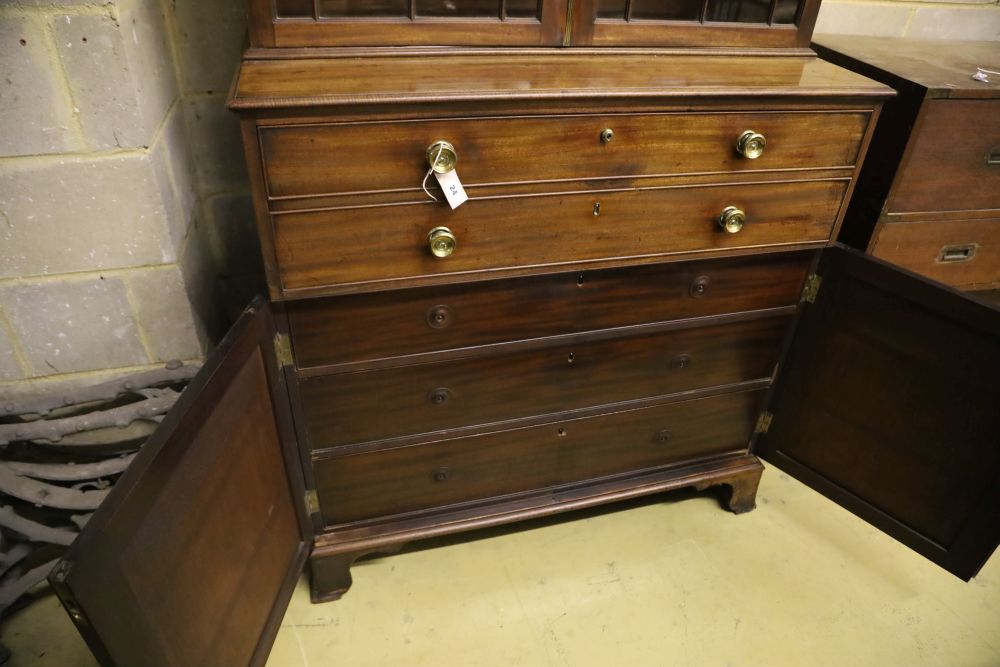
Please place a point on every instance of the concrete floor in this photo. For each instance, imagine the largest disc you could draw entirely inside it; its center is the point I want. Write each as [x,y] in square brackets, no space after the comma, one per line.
[796,582]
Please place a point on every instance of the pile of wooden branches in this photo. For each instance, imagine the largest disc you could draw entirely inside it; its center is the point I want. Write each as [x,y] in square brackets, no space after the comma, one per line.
[59,456]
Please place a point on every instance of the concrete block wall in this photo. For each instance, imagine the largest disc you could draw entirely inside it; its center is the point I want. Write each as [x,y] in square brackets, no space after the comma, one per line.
[970,20]
[125,225]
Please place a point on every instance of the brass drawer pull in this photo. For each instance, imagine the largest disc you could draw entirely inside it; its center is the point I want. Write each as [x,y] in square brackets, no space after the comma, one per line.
[957,253]
[607,134]
[751,145]
[442,242]
[993,157]
[732,219]
[441,157]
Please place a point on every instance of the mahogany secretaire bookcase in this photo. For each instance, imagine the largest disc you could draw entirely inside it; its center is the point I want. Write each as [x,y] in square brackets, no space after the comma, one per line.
[639,294]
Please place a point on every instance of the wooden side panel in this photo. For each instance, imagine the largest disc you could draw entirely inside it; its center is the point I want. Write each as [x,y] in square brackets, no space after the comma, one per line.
[960,253]
[192,558]
[322,248]
[889,403]
[373,405]
[953,161]
[303,160]
[437,474]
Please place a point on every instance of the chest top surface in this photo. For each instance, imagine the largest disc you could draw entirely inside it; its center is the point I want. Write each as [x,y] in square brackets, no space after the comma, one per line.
[943,67]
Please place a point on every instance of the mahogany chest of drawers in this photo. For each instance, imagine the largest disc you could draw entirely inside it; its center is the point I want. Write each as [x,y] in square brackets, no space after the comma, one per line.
[640,294]
[929,197]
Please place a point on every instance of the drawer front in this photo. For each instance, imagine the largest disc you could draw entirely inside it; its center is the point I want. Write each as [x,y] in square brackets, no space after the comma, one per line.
[324,159]
[961,253]
[423,398]
[367,486]
[381,244]
[364,327]
[953,162]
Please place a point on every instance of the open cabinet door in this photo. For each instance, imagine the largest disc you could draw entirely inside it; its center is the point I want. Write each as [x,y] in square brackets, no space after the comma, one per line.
[888,402]
[193,556]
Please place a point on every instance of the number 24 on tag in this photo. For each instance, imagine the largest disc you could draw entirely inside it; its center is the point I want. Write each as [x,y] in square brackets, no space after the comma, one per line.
[452,187]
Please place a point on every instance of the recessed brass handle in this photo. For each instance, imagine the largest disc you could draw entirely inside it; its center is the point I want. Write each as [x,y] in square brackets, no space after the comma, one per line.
[442,241]
[731,219]
[751,145]
[441,157]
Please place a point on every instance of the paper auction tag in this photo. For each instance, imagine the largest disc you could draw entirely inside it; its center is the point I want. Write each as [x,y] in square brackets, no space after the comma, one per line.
[452,188]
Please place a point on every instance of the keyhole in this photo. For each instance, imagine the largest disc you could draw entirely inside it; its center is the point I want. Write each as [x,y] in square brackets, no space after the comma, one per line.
[579,279]
[571,357]
[597,209]
[561,432]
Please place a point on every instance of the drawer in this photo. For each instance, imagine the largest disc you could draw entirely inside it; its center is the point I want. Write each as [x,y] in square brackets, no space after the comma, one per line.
[953,162]
[961,253]
[320,159]
[374,405]
[366,486]
[364,327]
[363,247]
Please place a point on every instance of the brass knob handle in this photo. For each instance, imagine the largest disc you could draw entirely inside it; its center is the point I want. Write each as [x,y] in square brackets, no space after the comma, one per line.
[442,241]
[751,145]
[441,157]
[607,134]
[731,219]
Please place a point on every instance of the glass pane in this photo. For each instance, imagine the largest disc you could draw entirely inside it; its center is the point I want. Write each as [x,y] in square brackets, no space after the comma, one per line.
[524,9]
[674,10]
[785,11]
[458,8]
[611,9]
[297,9]
[740,11]
[342,8]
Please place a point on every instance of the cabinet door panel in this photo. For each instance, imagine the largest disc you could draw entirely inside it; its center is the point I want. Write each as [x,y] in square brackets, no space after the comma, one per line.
[889,403]
[728,23]
[192,558]
[300,23]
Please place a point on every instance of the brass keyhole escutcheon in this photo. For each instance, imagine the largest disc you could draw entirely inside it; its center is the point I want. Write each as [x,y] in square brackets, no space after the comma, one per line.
[441,157]
[607,134]
[699,287]
[439,317]
[442,242]
[680,362]
[732,219]
[751,145]
[662,436]
[440,396]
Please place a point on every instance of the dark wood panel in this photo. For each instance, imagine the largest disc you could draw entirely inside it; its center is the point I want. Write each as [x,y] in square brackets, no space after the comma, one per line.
[320,159]
[194,555]
[953,160]
[547,74]
[356,328]
[436,474]
[961,253]
[374,405]
[889,403]
[322,248]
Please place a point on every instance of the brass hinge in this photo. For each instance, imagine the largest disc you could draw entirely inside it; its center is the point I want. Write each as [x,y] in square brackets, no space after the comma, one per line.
[283,349]
[811,288]
[312,502]
[763,422]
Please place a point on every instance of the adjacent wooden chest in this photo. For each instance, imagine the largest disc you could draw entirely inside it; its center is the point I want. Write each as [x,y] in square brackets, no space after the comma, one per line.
[929,197]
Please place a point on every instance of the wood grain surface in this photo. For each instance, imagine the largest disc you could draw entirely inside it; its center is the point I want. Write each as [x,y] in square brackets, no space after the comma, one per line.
[438,474]
[303,160]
